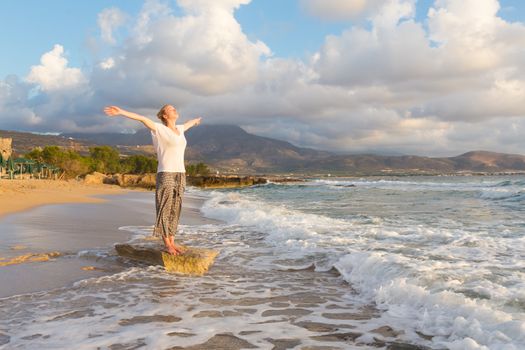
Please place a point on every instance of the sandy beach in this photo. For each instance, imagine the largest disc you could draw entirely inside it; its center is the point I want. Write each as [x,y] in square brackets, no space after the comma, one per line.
[50,231]
[17,195]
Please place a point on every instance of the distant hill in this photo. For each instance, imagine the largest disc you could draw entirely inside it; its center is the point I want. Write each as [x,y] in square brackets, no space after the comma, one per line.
[24,142]
[226,147]
[231,149]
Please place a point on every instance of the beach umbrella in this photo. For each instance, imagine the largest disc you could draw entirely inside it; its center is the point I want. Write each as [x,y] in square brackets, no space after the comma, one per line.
[10,164]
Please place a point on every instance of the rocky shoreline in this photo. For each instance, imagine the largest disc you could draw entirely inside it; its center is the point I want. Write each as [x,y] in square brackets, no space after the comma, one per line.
[147,181]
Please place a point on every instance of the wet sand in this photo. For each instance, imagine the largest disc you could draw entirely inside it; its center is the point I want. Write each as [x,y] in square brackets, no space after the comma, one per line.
[80,233]
[18,195]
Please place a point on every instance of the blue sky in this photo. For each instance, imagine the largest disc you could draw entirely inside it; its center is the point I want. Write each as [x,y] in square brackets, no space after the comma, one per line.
[32,27]
[344,75]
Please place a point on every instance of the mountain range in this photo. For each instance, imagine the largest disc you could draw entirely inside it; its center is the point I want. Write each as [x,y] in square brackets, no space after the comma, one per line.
[231,149]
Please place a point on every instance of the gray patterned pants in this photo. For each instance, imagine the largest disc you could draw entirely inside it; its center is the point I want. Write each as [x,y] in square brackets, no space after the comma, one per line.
[168,202]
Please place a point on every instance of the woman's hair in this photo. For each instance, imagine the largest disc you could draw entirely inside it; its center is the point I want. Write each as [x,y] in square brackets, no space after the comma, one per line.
[161,114]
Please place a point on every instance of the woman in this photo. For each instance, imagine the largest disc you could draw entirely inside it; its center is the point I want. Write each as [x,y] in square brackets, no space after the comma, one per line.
[170,144]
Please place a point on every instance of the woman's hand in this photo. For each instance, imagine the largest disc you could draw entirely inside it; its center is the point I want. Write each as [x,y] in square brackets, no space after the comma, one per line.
[191,123]
[113,111]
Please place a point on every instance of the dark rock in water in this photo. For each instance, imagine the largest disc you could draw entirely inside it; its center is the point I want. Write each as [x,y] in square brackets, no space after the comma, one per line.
[321,327]
[286,312]
[404,346]
[283,344]
[248,332]
[220,342]
[194,261]
[338,337]
[387,331]
[137,344]
[347,316]
[149,319]
[224,181]
[181,334]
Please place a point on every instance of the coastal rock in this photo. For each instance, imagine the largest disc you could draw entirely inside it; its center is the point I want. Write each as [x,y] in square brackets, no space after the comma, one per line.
[148,180]
[30,257]
[94,178]
[225,181]
[131,180]
[194,261]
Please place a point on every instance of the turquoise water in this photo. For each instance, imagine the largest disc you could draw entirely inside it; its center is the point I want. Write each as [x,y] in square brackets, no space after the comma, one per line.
[443,256]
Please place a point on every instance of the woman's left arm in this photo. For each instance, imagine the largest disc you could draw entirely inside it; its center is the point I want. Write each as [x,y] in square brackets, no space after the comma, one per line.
[191,123]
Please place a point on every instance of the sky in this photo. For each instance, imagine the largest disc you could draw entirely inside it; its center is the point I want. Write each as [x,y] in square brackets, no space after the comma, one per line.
[422,77]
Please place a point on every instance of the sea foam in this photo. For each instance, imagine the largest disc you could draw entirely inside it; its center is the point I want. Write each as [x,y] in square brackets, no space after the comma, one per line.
[433,280]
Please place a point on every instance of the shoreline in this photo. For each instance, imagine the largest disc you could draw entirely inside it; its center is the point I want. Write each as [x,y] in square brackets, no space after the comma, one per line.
[54,245]
[26,194]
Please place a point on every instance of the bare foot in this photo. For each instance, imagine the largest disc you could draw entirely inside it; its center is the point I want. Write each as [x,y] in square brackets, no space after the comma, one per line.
[180,248]
[172,251]
[177,247]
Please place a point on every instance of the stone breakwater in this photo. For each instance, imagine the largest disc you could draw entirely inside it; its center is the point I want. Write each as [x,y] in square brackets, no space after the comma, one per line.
[214,181]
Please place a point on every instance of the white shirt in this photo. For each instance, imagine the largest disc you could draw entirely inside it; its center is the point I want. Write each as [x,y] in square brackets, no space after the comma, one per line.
[170,148]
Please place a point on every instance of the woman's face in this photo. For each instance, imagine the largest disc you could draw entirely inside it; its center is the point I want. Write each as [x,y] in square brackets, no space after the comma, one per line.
[171,113]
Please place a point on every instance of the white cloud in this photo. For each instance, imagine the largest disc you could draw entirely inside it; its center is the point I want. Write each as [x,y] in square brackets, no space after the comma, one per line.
[107,64]
[53,72]
[338,10]
[204,52]
[449,85]
[109,20]
[199,6]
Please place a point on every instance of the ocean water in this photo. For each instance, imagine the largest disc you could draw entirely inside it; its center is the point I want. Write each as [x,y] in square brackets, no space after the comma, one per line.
[437,262]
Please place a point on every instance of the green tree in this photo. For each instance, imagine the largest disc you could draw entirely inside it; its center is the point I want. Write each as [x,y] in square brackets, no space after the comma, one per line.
[68,160]
[202,169]
[36,154]
[139,164]
[105,159]
[53,155]
[197,169]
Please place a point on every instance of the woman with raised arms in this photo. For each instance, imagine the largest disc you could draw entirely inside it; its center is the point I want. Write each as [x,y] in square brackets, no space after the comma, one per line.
[170,143]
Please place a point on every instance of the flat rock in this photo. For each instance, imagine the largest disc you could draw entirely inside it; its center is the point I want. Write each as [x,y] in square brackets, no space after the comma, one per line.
[347,316]
[216,313]
[286,312]
[137,344]
[248,332]
[220,342]
[194,261]
[405,346]
[181,334]
[283,344]
[321,327]
[387,331]
[148,319]
[343,337]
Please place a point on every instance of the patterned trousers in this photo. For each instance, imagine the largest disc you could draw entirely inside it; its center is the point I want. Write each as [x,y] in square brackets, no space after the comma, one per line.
[168,202]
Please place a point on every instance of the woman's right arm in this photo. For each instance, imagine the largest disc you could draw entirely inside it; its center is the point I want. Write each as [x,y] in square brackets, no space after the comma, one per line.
[114,111]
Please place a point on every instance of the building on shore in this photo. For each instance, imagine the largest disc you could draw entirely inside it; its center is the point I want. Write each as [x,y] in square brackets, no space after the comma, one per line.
[6,150]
